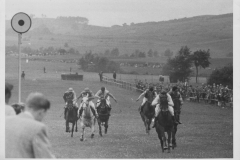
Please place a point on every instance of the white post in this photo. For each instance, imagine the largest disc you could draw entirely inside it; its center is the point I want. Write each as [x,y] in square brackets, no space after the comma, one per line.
[19,66]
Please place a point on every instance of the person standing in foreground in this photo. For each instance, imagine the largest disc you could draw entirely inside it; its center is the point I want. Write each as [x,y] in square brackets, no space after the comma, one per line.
[26,135]
[9,111]
[114,76]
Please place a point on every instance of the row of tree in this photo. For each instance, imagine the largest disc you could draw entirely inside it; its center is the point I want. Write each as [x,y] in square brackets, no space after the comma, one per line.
[179,67]
[45,51]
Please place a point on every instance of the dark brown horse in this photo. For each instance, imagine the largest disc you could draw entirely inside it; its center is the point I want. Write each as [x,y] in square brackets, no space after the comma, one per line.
[165,124]
[103,116]
[147,115]
[71,117]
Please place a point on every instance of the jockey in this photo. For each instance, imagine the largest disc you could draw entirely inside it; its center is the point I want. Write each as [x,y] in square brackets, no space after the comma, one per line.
[163,99]
[69,97]
[177,99]
[89,93]
[149,94]
[104,94]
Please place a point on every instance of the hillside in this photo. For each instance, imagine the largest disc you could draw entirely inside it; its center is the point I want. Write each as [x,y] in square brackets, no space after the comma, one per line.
[214,32]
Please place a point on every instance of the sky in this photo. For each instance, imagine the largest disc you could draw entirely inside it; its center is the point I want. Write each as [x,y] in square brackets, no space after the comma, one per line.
[117,12]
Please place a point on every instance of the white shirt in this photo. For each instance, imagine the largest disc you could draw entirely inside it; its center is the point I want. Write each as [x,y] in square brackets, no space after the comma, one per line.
[156,100]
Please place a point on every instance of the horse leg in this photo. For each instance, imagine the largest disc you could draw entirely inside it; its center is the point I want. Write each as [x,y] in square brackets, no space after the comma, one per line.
[100,129]
[67,126]
[169,140]
[73,124]
[164,140]
[82,134]
[161,141]
[76,129]
[174,144]
[93,128]
[106,126]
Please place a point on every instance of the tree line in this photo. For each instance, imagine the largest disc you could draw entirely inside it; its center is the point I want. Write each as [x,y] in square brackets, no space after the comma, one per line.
[179,67]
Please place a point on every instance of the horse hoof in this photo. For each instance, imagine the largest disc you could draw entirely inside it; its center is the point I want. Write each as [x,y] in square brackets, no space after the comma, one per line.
[92,135]
[81,139]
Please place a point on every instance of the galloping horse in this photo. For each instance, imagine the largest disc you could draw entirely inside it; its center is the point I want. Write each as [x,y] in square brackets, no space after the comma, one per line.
[164,124]
[87,119]
[103,116]
[147,115]
[71,116]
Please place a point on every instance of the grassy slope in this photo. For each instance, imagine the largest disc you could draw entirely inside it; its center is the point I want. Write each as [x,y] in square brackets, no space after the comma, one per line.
[204,32]
[206,131]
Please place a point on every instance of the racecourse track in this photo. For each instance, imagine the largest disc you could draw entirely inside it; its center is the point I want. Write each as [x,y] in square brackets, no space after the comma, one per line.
[206,132]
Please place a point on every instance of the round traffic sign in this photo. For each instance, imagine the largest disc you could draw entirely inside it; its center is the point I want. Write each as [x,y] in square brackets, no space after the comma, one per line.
[21,22]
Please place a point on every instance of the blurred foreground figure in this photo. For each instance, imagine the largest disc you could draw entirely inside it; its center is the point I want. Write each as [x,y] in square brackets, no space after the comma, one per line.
[26,135]
[9,111]
[18,107]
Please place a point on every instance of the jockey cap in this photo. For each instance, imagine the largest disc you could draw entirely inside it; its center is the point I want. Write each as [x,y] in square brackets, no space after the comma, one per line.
[70,89]
[86,89]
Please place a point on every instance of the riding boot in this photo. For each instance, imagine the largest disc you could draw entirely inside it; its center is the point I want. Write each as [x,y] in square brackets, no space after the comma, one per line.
[65,110]
[94,112]
[179,120]
[109,110]
[154,122]
[140,108]
[174,120]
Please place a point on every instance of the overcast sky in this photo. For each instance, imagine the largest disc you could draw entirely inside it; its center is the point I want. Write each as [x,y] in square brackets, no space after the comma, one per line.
[117,12]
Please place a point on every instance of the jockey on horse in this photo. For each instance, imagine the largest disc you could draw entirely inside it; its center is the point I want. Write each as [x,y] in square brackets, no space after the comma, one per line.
[149,94]
[177,99]
[69,97]
[104,94]
[163,99]
[89,93]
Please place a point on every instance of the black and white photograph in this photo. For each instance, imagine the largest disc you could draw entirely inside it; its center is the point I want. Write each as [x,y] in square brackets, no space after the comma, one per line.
[120,79]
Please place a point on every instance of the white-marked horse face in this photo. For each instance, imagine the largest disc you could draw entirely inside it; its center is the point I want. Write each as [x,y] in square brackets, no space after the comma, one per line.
[85,102]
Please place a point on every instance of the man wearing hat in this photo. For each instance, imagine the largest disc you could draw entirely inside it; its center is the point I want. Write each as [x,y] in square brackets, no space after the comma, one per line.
[69,97]
[163,99]
[8,109]
[87,92]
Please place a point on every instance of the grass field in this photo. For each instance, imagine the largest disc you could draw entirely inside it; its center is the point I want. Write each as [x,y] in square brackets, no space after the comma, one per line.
[206,132]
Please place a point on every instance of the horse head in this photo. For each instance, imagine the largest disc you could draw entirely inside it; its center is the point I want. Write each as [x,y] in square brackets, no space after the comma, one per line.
[103,103]
[86,108]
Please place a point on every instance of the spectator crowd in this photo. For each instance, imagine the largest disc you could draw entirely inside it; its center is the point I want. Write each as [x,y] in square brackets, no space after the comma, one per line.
[213,94]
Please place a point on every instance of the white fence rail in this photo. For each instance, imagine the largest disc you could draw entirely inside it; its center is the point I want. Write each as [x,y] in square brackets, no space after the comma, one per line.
[120,83]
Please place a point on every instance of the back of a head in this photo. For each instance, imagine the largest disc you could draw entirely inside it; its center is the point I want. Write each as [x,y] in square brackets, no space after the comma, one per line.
[37,101]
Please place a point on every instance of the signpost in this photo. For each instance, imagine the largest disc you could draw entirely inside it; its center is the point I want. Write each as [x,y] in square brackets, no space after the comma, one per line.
[20,23]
